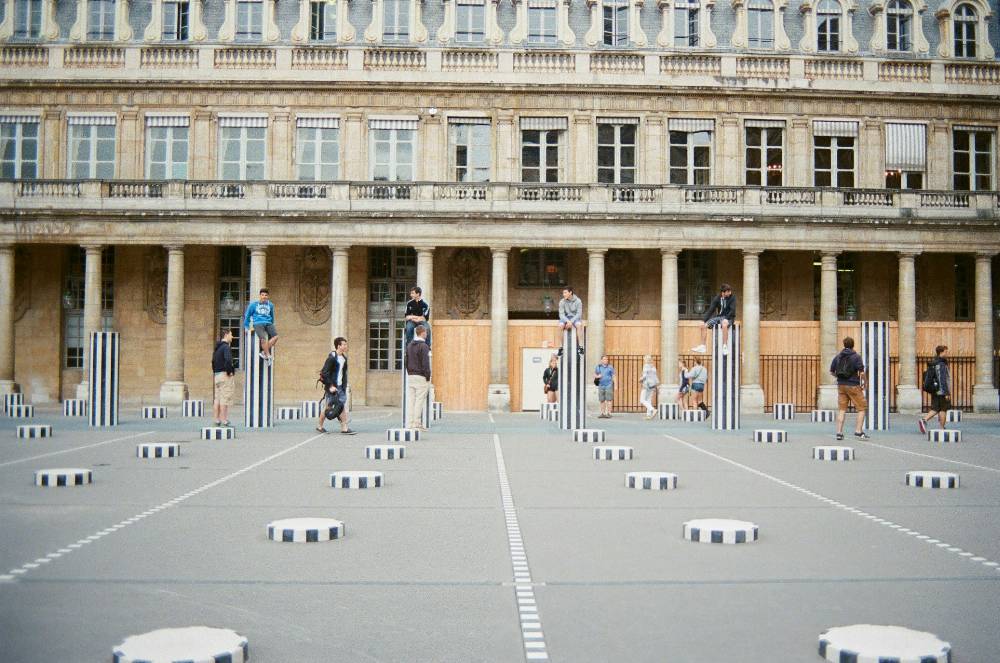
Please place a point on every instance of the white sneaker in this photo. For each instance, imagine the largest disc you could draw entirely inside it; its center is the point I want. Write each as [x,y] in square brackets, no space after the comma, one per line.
[698,348]
[725,349]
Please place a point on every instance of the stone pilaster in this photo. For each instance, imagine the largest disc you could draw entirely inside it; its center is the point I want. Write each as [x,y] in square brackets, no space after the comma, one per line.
[908,400]
[130,146]
[91,308]
[828,347]
[203,159]
[425,273]
[751,393]
[582,153]
[654,151]
[668,325]
[258,270]
[798,155]
[984,394]
[338,291]
[281,137]
[174,390]
[498,399]
[7,384]
[354,134]
[506,152]
[872,174]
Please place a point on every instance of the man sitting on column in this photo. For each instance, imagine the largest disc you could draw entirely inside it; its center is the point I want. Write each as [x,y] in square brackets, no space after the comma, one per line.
[571,315]
[722,311]
[418,377]
[259,319]
[418,311]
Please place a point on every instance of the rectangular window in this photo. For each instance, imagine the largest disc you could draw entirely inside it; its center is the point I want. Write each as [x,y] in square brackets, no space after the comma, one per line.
[469,149]
[905,155]
[391,274]
[101,20]
[834,144]
[972,158]
[242,148]
[18,148]
[691,152]
[471,21]
[27,19]
[175,21]
[392,145]
[542,268]
[965,279]
[249,20]
[323,20]
[542,22]
[765,145]
[317,142]
[166,150]
[540,155]
[234,293]
[73,297]
[616,152]
[615,22]
[685,23]
[92,147]
[396,20]
[828,32]
[695,283]
[760,24]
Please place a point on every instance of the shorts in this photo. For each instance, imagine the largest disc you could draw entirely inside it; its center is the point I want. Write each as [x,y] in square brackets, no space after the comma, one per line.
[715,322]
[224,389]
[683,390]
[265,332]
[576,323]
[940,403]
[605,394]
[851,394]
[698,386]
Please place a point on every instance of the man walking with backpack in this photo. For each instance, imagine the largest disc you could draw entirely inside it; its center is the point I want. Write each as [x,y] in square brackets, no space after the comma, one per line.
[849,370]
[334,379]
[937,383]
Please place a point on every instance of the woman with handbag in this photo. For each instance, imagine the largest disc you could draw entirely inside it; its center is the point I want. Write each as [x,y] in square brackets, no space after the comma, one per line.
[649,381]
[550,380]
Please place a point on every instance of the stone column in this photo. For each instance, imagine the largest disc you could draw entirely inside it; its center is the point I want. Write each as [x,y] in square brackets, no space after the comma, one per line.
[338,291]
[908,400]
[498,399]
[258,270]
[53,147]
[91,308]
[7,384]
[174,390]
[594,314]
[425,272]
[984,394]
[826,399]
[751,393]
[668,326]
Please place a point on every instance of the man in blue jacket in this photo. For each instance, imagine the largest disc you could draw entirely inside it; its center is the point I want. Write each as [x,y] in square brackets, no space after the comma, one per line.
[259,319]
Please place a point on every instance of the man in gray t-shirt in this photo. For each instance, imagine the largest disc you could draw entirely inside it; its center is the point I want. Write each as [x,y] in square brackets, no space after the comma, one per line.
[571,315]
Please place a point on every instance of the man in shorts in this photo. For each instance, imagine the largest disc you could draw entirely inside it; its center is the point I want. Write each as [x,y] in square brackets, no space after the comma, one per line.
[259,319]
[222,369]
[849,370]
[571,316]
[604,376]
[722,311]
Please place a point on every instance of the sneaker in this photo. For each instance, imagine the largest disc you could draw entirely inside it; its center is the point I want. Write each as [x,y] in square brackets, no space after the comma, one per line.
[699,349]
[559,354]
[861,436]
[216,423]
[921,425]
[839,436]
[580,350]
[270,359]
[422,429]
[262,356]
[348,432]
[321,430]
[226,424]
[725,348]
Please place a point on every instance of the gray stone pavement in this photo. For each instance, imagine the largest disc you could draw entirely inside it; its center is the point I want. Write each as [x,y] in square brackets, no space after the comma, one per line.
[424,573]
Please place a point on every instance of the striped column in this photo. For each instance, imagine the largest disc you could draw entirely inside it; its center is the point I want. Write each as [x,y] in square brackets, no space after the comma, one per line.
[102,384]
[726,380]
[875,355]
[572,384]
[258,387]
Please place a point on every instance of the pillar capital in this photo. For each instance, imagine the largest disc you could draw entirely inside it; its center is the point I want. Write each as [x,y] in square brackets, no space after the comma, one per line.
[669,253]
[340,249]
[908,254]
[257,248]
[985,255]
[830,254]
[174,248]
[596,253]
[92,248]
[752,253]
[424,249]
[6,247]
[500,251]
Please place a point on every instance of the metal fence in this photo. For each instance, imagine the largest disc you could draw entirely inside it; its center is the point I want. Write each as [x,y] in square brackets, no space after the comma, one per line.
[790,379]
[628,368]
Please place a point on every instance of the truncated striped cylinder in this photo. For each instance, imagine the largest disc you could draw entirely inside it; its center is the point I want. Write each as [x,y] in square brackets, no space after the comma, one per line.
[311,409]
[718,530]
[356,480]
[953,416]
[572,384]
[875,355]
[869,643]
[385,451]
[154,412]
[437,410]
[191,644]
[669,411]
[305,530]
[75,407]
[588,435]
[770,436]
[931,479]
[833,453]
[784,411]
[218,433]
[103,385]
[546,409]
[158,450]
[946,435]
[554,414]
[696,414]
[12,399]
[193,408]
[64,476]
[31,431]
[289,413]
[651,480]
[258,386]
[822,416]
[612,453]
[402,435]
[726,380]
[21,411]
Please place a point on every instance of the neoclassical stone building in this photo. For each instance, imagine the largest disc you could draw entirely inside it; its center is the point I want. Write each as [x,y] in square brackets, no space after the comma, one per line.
[162,159]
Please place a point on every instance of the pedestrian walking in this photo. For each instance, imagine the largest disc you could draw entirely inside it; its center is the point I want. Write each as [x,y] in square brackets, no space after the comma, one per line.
[550,380]
[418,312]
[418,377]
[722,311]
[649,381]
[259,319]
[698,377]
[937,382]
[849,370]
[571,316]
[223,372]
[683,397]
[333,375]
[606,381]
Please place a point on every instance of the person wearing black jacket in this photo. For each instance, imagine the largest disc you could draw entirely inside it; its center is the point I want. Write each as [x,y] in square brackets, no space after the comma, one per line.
[550,380]
[418,377]
[722,311]
[418,312]
[333,375]
[222,369]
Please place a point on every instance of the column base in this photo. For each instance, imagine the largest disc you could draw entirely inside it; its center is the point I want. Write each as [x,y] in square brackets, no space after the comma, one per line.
[8,387]
[666,393]
[591,396]
[83,390]
[826,397]
[498,398]
[173,393]
[909,400]
[751,399]
[985,398]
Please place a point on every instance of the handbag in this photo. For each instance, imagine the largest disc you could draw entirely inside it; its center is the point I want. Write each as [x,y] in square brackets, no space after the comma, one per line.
[597,382]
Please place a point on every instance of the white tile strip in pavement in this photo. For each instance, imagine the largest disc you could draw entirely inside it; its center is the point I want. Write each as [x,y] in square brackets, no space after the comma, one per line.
[943,460]
[66,451]
[850,509]
[531,624]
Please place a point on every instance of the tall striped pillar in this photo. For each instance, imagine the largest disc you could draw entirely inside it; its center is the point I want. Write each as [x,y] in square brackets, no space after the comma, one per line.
[875,355]
[103,378]
[425,419]
[572,384]
[726,380]
[258,385]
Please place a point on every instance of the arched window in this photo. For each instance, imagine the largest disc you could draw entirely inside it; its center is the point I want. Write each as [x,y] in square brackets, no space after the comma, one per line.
[899,23]
[965,31]
[828,26]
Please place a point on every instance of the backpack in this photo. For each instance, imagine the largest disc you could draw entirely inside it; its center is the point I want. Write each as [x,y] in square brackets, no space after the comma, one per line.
[845,367]
[931,384]
[333,407]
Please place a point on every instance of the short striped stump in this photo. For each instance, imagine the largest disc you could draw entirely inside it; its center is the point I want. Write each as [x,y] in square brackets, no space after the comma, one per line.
[939,435]
[543,411]
[651,480]
[770,436]
[356,480]
[720,530]
[833,453]
[953,416]
[10,400]
[868,643]
[74,407]
[158,450]
[588,435]
[310,409]
[385,451]
[192,643]
[554,414]
[612,453]
[21,411]
[305,530]
[931,479]
[218,433]
[154,412]
[784,411]
[193,408]
[402,435]
[696,414]
[32,431]
[63,476]
[289,413]
[668,411]
[437,410]
[823,416]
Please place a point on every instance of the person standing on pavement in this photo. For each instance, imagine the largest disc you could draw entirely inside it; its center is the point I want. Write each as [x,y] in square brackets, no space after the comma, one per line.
[698,377]
[223,371]
[334,378]
[649,381]
[418,377]
[550,380]
[939,387]
[849,370]
[606,381]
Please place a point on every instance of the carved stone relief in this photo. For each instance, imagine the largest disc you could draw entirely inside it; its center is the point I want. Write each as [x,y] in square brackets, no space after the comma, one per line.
[621,290]
[466,285]
[313,297]
[156,284]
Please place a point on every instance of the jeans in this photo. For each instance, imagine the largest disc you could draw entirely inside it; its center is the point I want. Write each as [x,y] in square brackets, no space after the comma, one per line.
[646,399]
[410,327]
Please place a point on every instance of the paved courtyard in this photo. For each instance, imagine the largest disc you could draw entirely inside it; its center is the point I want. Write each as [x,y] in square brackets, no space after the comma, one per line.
[425,570]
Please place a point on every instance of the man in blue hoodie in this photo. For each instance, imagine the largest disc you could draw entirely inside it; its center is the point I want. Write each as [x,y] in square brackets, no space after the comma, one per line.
[259,319]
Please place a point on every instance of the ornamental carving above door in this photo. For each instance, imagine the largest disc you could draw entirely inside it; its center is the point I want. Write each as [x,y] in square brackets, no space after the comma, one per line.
[465,283]
[313,297]
[621,290]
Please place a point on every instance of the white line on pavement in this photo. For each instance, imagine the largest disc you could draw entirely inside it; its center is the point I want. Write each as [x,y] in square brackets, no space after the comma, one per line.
[943,460]
[66,451]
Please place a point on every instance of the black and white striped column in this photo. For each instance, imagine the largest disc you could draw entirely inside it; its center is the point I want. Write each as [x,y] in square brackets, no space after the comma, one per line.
[425,419]
[193,408]
[103,385]
[726,380]
[74,407]
[258,388]
[12,399]
[572,384]
[875,355]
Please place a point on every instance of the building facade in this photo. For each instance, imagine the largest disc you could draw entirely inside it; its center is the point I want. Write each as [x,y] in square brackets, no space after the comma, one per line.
[164,159]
